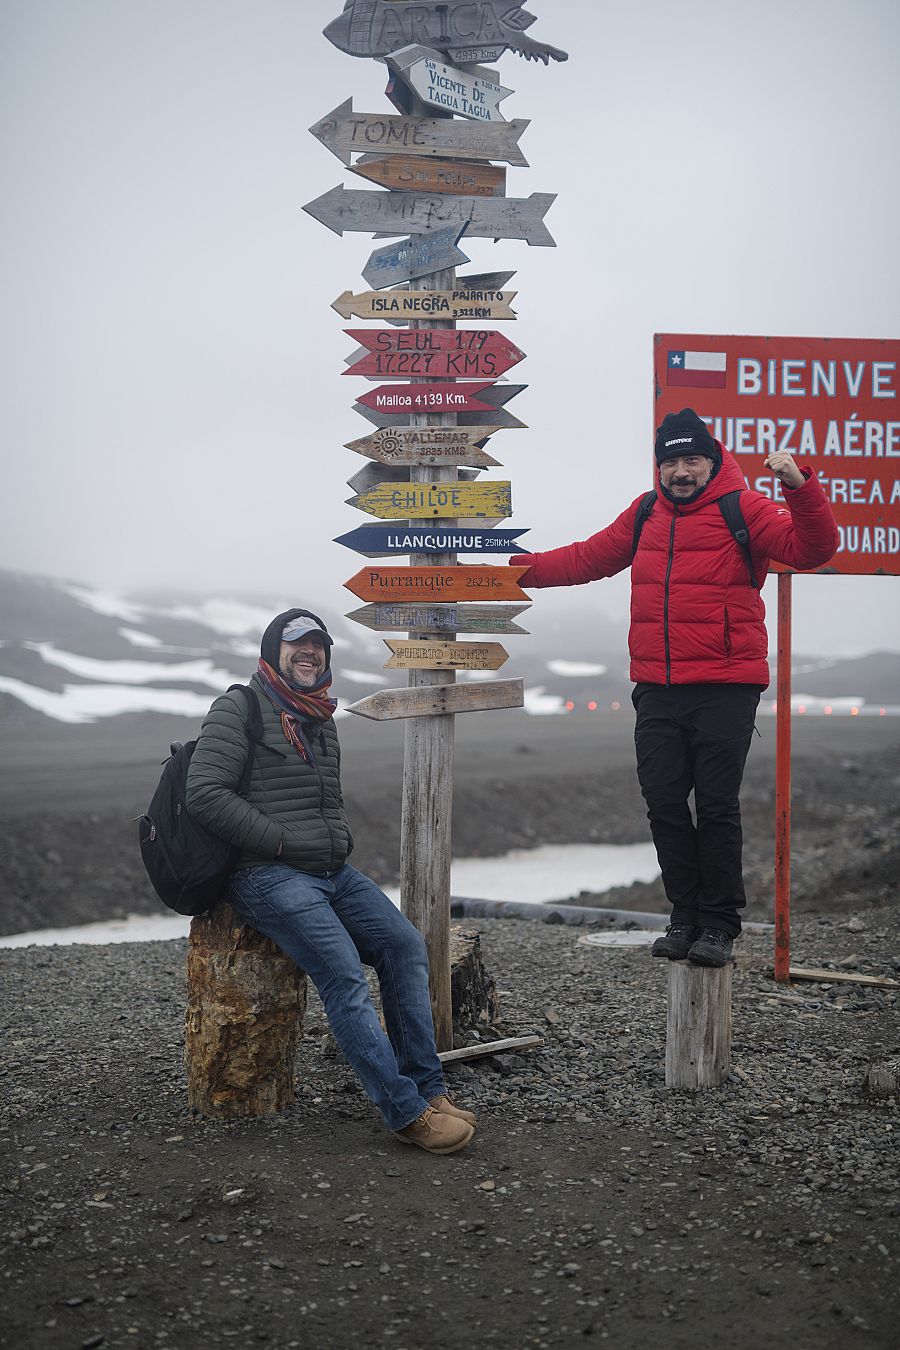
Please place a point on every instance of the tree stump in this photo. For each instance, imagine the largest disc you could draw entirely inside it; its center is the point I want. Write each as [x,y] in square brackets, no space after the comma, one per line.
[244,1019]
[883,1078]
[698,1028]
[473,992]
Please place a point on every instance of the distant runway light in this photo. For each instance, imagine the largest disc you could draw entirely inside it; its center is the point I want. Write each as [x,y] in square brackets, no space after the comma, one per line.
[615,705]
[802,708]
[570,706]
[854,712]
[592,707]
[827,709]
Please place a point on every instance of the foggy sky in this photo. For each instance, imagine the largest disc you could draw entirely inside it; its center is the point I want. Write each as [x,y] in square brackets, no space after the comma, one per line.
[172,407]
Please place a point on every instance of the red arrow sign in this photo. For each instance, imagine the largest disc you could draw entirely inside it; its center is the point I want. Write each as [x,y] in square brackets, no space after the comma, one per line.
[441,353]
[422,398]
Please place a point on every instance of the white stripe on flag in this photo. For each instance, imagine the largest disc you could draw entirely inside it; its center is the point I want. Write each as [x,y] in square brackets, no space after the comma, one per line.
[704,360]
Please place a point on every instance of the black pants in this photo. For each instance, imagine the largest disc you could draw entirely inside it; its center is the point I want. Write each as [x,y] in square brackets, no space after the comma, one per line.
[696,737]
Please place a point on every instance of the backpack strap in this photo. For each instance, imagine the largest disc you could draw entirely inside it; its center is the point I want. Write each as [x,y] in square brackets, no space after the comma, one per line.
[254,731]
[648,501]
[730,506]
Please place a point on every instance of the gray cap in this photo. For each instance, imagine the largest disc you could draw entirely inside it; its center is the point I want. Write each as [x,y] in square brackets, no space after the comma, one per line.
[297,628]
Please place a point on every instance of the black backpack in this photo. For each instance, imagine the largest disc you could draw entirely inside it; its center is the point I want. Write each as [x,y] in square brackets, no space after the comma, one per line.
[188,866]
[730,506]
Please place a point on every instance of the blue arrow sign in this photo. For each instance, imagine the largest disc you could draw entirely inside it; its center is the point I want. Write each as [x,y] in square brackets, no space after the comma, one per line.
[380,541]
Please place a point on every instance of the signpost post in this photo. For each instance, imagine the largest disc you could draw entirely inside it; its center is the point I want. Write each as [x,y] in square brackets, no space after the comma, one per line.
[833,404]
[435,158]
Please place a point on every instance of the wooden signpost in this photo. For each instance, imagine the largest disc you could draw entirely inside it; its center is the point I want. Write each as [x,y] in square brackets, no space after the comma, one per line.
[345,132]
[432,501]
[454,354]
[406,305]
[437,583]
[467,30]
[414,173]
[418,256]
[439,157]
[383,541]
[427,445]
[424,655]
[438,619]
[430,700]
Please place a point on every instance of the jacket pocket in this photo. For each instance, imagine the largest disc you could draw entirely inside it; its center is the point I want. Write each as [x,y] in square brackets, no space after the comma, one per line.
[726,633]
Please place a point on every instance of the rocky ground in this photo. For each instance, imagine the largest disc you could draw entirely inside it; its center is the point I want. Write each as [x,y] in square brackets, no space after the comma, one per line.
[592,1206]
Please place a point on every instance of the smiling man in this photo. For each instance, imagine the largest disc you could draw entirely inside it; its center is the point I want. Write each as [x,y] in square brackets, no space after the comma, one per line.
[292,880]
[698,646]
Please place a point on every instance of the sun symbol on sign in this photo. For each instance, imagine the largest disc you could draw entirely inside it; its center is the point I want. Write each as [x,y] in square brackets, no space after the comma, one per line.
[391,445]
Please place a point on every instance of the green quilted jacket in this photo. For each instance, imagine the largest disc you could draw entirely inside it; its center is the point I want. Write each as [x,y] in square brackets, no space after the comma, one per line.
[288,801]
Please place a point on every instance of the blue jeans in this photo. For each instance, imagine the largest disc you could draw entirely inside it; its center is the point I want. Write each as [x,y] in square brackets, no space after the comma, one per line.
[329,925]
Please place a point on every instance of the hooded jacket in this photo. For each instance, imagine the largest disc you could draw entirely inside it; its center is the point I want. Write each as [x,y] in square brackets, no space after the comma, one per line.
[290,801]
[695,618]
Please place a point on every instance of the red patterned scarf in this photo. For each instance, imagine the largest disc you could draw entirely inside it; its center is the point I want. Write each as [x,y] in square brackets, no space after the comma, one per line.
[298,705]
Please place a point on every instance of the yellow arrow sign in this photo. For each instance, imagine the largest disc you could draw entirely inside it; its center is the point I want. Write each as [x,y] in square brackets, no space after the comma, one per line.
[424,655]
[424,501]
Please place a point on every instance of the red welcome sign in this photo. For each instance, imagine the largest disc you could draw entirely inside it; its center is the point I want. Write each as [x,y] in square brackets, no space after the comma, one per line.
[833,403]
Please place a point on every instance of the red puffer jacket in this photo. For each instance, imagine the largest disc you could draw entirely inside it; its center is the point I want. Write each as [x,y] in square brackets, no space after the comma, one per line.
[695,618]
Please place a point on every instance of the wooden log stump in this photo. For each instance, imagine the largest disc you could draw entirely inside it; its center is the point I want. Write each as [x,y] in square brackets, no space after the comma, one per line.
[244,1019]
[473,991]
[698,1028]
[883,1078]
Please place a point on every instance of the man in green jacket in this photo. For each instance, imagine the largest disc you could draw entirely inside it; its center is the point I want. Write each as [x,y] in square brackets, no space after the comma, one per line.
[293,883]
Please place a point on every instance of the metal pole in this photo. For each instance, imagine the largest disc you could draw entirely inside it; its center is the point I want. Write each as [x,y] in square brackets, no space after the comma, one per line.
[783,784]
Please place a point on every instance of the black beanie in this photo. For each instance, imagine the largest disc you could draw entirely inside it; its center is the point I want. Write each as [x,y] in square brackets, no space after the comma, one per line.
[270,647]
[684,433]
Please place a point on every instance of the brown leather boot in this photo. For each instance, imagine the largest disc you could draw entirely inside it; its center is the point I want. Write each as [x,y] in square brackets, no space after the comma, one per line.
[436,1132]
[445,1107]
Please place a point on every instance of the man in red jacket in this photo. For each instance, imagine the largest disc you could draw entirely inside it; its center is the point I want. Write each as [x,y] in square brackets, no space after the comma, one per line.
[698,647]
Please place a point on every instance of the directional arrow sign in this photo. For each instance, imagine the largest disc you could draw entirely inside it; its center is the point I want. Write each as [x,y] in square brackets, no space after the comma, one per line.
[407,305]
[421,212]
[415,655]
[448,89]
[495,394]
[426,445]
[437,583]
[421,501]
[456,353]
[415,257]
[431,700]
[410,173]
[484,281]
[425,398]
[383,541]
[440,618]
[345,132]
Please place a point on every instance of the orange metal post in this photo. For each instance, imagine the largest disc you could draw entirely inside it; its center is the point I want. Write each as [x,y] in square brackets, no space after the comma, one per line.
[783,784]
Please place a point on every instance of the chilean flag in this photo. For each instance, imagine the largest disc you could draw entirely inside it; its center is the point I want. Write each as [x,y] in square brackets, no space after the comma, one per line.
[696,370]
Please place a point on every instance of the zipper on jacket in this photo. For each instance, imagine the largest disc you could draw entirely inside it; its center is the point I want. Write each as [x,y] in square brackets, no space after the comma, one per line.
[666,597]
[322,811]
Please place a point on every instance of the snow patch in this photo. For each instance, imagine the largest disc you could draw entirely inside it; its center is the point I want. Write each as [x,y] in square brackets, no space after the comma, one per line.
[111,606]
[359,676]
[139,639]
[88,702]
[136,672]
[575,669]
[540,704]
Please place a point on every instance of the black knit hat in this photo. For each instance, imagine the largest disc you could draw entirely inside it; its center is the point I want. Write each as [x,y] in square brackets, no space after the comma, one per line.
[684,433]
[270,647]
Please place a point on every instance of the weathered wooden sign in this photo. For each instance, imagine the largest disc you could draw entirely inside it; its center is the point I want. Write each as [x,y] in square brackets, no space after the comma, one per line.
[426,445]
[371,475]
[440,618]
[417,256]
[437,583]
[434,700]
[384,541]
[467,30]
[497,417]
[422,501]
[413,654]
[345,132]
[484,281]
[407,305]
[389,213]
[461,92]
[425,398]
[438,353]
[412,173]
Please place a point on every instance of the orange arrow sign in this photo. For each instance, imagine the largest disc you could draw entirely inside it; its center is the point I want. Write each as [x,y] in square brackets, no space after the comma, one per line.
[437,583]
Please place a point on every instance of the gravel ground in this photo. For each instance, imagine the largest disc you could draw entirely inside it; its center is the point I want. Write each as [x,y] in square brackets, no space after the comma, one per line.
[593,1205]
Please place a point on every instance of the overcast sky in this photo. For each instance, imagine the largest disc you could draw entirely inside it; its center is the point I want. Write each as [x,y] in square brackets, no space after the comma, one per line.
[170,393]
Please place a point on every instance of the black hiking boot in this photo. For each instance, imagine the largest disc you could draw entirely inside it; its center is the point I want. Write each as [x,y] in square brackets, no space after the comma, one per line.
[677,942]
[712,948]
